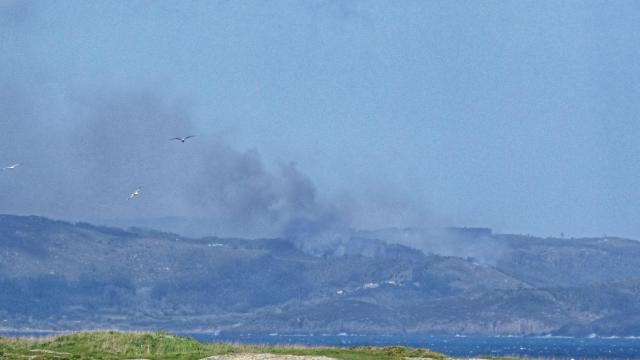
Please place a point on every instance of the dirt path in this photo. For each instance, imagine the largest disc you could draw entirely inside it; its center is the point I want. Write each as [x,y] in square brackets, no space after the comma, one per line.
[288,357]
[265,357]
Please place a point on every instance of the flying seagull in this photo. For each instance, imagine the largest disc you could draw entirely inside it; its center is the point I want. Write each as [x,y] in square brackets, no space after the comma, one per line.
[11,167]
[183,139]
[134,194]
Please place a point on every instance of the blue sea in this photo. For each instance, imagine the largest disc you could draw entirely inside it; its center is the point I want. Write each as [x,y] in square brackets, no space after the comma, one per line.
[462,346]
[559,348]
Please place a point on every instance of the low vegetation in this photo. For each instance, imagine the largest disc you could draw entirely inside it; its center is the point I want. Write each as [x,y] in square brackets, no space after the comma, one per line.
[157,346]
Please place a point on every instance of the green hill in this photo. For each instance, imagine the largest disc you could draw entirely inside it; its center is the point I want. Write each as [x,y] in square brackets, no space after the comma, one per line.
[157,346]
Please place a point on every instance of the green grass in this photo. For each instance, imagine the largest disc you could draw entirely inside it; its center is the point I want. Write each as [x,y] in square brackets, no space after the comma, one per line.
[160,346]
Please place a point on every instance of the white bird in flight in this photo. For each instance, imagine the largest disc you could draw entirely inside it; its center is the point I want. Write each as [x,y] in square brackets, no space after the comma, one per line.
[134,194]
[183,139]
[11,167]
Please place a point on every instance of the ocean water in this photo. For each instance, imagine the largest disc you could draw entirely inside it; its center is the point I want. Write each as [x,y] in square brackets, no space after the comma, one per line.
[462,346]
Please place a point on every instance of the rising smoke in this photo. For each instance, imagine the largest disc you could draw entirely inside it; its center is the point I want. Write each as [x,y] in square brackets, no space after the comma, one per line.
[120,141]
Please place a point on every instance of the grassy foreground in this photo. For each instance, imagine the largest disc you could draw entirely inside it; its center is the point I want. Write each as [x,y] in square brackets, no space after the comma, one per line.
[126,345]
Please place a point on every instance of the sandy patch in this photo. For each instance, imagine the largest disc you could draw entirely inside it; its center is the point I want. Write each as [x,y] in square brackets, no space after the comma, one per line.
[265,357]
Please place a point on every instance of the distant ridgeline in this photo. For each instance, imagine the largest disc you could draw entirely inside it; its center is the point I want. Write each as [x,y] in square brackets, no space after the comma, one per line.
[472,232]
[58,275]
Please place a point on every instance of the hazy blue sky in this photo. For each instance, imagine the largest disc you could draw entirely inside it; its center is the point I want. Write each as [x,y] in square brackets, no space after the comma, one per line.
[516,115]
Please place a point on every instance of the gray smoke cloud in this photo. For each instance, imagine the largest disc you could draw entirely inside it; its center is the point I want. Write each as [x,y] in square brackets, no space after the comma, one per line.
[122,142]
[240,193]
[115,141]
